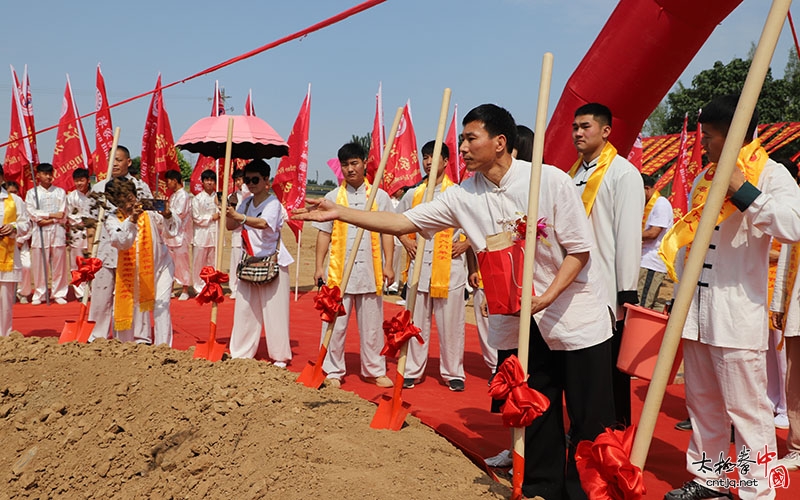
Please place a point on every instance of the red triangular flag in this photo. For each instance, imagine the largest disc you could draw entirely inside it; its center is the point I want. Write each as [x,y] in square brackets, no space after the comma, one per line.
[71,150]
[26,105]
[204,162]
[103,131]
[158,145]
[18,154]
[681,185]
[249,109]
[456,167]
[289,184]
[378,137]
[402,168]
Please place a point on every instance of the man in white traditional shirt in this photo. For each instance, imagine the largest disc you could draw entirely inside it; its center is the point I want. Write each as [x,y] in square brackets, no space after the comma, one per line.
[725,336]
[47,206]
[13,220]
[440,292]
[569,351]
[180,204]
[657,219]
[365,288]
[78,205]
[205,214]
[613,197]
[100,308]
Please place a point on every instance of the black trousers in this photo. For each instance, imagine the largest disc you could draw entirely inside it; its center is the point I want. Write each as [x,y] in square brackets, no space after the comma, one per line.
[583,379]
[621,380]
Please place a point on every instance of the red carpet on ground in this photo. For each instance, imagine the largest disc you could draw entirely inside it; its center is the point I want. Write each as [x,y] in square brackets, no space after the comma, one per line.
[461,417]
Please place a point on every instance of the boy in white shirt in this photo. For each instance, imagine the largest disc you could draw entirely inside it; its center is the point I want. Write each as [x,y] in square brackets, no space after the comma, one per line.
[180,204]
[47,206]
[656,221]
[205,214]
[78,205]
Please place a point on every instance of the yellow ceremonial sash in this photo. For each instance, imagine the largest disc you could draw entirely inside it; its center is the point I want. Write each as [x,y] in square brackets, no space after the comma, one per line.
[339,246]
[649,208]
[131,276]
[751,161]
[442,247]
[596,178]
[8,243]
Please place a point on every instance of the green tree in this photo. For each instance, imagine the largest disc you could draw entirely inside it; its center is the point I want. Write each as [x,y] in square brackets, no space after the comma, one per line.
[364,140]
[186,167]
[777,102]
[656,123]
[136,165]
[329,182]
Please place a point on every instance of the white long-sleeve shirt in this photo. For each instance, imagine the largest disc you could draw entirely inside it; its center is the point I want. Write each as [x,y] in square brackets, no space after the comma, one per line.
[204,206]
[105,251]
[77,208]
[729,307]
[616,221]
[123,235]
[180,204]
[50,201]
[479,207]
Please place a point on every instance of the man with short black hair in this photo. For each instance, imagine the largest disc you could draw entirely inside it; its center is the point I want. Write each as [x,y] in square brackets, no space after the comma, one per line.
[180,204]
[657,219]
[613,197]
[205,214]
[78,208]
[725,336]
[364,290]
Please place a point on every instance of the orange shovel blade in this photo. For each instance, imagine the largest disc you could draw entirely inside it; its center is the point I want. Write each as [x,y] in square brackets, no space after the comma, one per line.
[85,331]
[391,413]
[211,351]
[69,333]
[519,474]
[312,375]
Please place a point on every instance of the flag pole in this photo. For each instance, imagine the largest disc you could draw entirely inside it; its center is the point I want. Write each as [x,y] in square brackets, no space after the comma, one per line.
[529,261]
[297,266]
[708,220]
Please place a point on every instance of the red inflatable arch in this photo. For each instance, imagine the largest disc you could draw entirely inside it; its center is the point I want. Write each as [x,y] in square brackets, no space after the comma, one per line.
[642,50]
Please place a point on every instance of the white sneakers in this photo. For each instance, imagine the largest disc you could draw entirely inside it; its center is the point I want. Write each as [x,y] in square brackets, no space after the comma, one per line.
[184,296]
[781,421]
[791,460]
[502,459]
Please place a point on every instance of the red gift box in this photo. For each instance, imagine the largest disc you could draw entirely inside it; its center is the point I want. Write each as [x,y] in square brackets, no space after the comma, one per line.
[501,272]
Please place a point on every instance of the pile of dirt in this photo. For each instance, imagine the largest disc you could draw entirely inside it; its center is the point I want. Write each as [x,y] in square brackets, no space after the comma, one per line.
[111,420]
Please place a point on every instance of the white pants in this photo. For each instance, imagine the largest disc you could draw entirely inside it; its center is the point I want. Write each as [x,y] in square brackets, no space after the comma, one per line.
[449,314]
[25,288]
[482,323]
[262,307]
[183,270]
[56,269]
[162,318]
[139,331]
[101,306]
[203,256]
[233,281]
[7,299]
[369,314]
[73,265]
[776,372]
[728,386]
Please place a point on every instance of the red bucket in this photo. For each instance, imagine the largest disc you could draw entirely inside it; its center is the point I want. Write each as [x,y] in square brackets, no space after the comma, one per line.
[641,341]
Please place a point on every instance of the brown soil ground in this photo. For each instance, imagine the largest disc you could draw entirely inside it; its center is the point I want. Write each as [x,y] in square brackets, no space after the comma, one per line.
[111,420]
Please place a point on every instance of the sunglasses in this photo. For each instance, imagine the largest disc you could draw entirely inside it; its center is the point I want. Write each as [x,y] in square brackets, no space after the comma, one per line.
[252,180]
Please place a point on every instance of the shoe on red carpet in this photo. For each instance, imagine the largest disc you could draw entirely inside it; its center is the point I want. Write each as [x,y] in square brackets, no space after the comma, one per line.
[502,459]
[408,383]
[693,490]
[333,382]
[456,385]
[684,425]
[791,460]
[382,381]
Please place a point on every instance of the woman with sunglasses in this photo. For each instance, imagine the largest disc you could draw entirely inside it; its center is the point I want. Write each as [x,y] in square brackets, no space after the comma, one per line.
[261,217]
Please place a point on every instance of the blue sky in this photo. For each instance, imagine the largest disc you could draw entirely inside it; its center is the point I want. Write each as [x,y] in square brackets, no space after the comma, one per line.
[486,51]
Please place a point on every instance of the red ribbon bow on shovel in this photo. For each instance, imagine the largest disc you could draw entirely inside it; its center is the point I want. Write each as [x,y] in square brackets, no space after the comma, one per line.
[398,331]
[212,291]
[605,467]
[523,404]
[328,302]
[87,268]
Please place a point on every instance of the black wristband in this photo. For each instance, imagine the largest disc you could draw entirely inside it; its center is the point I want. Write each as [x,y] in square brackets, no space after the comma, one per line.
[628,297]
[745,196]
